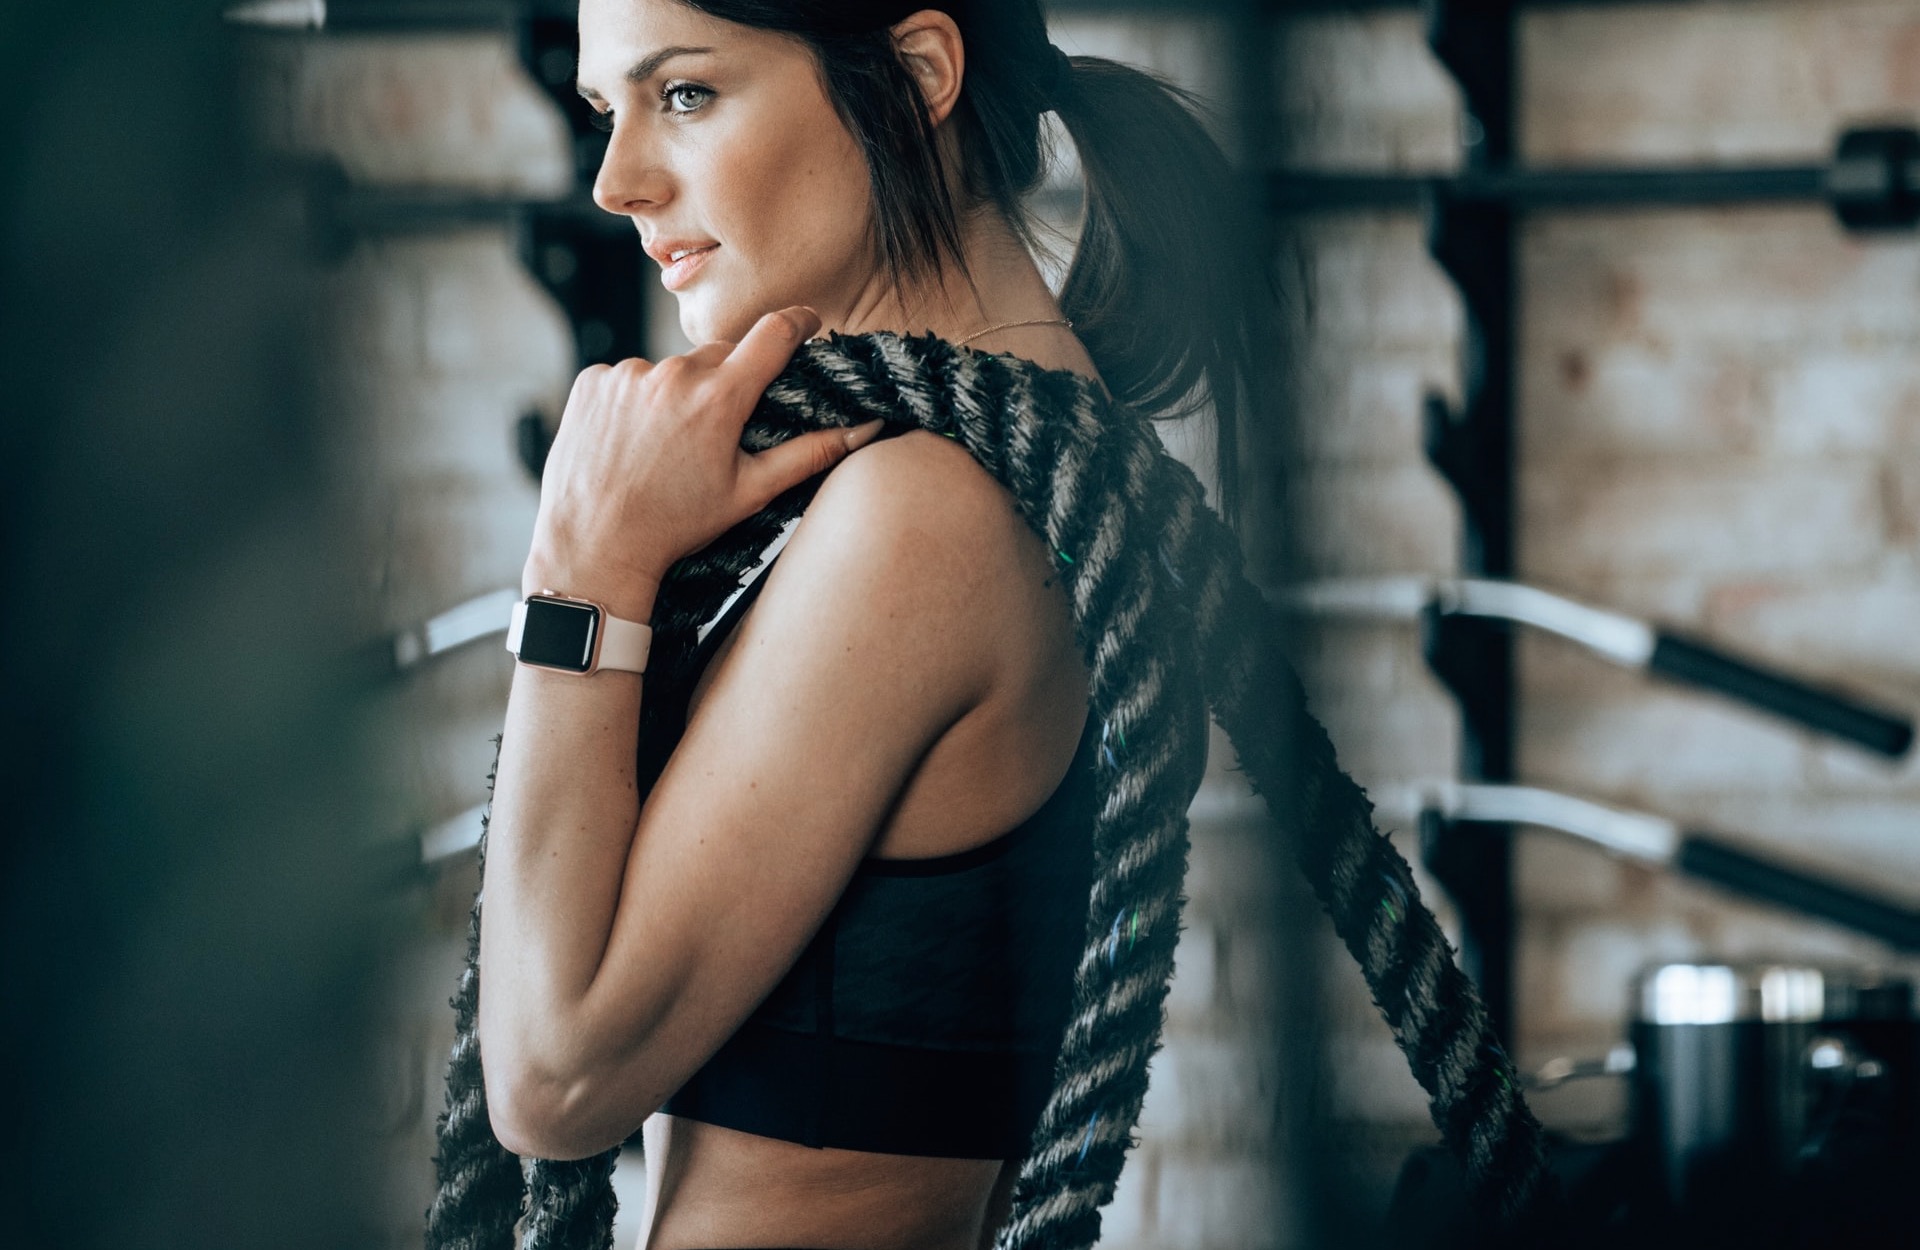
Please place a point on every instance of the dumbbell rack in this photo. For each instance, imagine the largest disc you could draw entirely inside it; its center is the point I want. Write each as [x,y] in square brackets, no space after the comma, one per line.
[1471,218]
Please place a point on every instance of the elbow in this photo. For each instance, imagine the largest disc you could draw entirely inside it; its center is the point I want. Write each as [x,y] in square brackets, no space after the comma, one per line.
[546,1110]
[533,1104]
[538,1117]
[554,1092]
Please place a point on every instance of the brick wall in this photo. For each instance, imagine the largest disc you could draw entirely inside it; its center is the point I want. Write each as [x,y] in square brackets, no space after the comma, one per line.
[1719,413]
[1717,420]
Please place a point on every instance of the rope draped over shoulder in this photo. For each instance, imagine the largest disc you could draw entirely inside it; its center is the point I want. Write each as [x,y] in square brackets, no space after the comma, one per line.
[1169,627]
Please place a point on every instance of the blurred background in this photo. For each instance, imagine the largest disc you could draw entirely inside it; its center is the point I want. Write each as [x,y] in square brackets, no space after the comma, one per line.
[1593,502]
[190,940]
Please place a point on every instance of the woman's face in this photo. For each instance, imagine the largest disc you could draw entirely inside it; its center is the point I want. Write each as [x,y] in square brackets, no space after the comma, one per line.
[724,140]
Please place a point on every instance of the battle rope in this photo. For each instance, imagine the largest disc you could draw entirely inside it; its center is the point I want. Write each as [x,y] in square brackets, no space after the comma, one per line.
[1168,624]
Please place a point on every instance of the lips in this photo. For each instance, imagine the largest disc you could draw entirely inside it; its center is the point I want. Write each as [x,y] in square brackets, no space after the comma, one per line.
[680,259]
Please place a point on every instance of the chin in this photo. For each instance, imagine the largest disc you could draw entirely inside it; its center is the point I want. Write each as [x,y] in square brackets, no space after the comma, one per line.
[709,320]
[704,319]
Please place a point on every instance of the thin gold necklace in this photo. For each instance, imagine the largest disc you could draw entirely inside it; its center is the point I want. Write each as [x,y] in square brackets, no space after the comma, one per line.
[1013,325]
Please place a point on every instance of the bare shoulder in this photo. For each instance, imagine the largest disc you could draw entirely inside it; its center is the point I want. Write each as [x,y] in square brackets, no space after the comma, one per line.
[923,508]
[917,539]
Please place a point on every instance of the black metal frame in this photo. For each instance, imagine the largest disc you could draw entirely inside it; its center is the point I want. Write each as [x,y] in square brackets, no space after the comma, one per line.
[596,274]
[1472,447]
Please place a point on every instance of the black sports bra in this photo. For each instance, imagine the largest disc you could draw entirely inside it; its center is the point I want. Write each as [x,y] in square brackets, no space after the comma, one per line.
[924,1016]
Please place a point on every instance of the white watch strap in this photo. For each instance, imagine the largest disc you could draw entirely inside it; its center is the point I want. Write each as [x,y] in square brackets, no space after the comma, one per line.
[624,645]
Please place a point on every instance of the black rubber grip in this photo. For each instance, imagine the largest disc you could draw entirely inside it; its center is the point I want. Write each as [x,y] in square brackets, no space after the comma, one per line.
[1712,860]
[1839,715]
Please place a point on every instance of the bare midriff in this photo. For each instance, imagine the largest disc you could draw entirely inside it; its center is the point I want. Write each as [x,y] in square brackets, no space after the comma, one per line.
[712,1188]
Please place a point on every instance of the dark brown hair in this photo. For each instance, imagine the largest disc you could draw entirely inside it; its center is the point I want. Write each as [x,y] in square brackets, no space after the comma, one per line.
[1169,288]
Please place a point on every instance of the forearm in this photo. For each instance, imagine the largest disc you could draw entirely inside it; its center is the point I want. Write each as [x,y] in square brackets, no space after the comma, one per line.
[565,808]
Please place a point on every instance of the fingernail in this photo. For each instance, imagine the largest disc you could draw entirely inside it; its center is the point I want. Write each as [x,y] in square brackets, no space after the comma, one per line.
[808,321]
[861,435]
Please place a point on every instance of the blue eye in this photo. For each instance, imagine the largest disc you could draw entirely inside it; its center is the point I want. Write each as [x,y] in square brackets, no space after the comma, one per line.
[679,93]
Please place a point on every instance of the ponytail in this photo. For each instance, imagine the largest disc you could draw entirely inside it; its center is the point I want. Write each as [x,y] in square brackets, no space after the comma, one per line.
[1171,287]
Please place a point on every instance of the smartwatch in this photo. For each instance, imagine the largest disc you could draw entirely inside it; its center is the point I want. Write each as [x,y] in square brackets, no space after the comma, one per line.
[575,636]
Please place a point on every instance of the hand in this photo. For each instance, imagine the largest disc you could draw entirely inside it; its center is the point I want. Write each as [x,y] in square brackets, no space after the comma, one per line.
[647,467]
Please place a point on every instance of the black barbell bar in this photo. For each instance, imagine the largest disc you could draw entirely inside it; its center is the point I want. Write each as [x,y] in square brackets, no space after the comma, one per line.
[1873,183]
[1662,843]
[1625,640]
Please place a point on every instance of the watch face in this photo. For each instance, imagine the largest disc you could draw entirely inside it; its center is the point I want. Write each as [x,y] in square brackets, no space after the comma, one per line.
[559,634]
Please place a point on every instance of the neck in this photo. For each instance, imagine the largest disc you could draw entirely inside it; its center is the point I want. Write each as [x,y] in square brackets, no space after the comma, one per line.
[1006,286]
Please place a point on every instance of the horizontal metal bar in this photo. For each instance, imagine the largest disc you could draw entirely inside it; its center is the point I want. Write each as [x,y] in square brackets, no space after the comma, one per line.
[346,16]
[1831,712]
[418,210]
[1636,835]
[1660,842]
[452,836]
[1709,858]
[1533,189]
[359,15]
[479,617]
[1621,639]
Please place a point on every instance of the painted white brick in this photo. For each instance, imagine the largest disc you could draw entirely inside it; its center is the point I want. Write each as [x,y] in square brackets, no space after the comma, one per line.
[414,110]
[1369,1079]
[1747,278]
[1191,53]
[1216,1091]
[1195,974]
[1711,517]
[1561,875]
[1390,719]
[451,426]
[1902,484]
[1375,519]
[1230,1203]
[1128,1220]
[487,317]
[1369,283]
[1633,399]
[447,539]
[1232,870]
[1631,748]
[1839,401]
[1725,79]
[1855,631]
[1361,91]
[1252,960]
[437,729]
[1366,406]
[1840,769]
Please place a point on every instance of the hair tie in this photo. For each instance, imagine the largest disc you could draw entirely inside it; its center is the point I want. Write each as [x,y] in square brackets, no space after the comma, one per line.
[1054,89]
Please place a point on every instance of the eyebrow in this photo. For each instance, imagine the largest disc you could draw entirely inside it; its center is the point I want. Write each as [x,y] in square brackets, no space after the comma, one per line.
[645,69]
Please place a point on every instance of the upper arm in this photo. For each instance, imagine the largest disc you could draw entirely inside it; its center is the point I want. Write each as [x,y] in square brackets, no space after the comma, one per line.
[864,646]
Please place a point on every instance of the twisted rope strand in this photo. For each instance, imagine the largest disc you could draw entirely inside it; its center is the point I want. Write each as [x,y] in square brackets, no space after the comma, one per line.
[1170,630]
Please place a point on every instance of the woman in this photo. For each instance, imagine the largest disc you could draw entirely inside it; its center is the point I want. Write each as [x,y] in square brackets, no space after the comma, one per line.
[890,733]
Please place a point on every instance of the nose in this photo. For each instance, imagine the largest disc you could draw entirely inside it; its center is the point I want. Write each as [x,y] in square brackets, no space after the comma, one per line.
[630,179]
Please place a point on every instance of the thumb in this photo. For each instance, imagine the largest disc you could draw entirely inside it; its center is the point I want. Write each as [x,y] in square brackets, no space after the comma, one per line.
[798,459]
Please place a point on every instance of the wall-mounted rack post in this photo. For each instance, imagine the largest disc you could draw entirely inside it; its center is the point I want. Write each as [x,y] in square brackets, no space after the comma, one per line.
[1472,447]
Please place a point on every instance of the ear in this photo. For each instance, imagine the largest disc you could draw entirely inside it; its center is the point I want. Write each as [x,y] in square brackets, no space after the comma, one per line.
[930,47]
